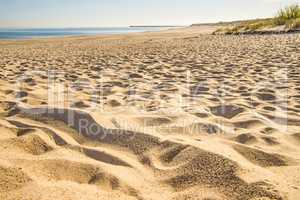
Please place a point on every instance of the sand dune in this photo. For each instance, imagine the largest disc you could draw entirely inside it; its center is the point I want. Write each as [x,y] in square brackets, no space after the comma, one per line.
[172,115]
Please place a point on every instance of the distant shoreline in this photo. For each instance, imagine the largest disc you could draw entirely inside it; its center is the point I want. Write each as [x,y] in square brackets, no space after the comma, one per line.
[155,26]
[60,32]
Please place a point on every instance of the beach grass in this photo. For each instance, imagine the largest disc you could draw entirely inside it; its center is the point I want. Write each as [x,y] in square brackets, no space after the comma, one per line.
[288,18]
[288,15]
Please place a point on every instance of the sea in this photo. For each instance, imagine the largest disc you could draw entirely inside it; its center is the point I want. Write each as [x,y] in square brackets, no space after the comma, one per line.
[59,32]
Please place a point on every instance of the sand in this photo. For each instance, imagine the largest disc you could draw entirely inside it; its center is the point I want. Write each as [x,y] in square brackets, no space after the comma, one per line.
[173,115]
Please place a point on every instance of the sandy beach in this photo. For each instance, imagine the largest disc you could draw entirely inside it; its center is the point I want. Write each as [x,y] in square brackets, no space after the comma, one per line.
[172,115]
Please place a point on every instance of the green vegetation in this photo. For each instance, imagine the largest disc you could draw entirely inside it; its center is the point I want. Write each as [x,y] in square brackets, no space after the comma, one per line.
[288,18]
[288,15]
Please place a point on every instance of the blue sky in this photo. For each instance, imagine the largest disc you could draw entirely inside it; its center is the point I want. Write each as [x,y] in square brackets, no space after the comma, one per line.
[108,13]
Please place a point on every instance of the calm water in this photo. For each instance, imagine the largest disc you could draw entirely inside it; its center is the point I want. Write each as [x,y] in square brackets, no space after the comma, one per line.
[41,33]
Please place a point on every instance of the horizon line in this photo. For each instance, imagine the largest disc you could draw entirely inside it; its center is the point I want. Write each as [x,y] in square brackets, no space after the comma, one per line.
[88,27]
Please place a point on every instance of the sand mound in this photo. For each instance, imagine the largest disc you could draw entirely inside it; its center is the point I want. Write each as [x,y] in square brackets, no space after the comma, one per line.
[198,193]
[169,154]
[297,136]
[137,142]
[245,139]
[101,156]
[80,104]
[31,144]
[266,97]
[198,128]
[12,179]
[63,170]
[270,140]
[153,121]
[109,182]
[80,173]
[7,105]
[53,135]
[7,132]
[261,158]
[227,111]
[248,124]
[21,94]
[24,131]
[212,170]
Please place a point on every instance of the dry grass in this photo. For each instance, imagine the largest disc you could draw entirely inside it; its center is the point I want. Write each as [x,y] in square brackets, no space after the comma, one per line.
[294,24]
[288,17]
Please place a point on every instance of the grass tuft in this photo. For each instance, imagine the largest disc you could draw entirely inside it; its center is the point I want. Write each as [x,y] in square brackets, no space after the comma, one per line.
[293,24]
[288,17]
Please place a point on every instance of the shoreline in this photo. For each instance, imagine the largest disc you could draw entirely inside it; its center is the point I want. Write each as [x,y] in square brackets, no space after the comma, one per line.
[90,35]
[172,32]
[184,30]
[200,29]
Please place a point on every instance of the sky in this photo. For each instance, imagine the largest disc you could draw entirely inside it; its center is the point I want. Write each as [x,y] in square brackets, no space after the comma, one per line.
[119,13]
